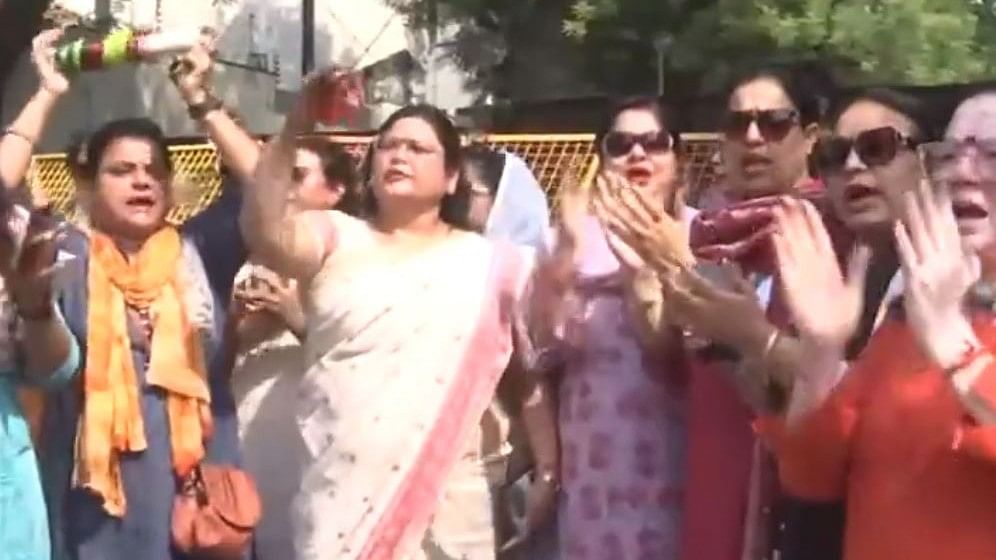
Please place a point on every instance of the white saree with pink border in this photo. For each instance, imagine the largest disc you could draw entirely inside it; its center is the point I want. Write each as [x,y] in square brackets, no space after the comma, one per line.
[404,358]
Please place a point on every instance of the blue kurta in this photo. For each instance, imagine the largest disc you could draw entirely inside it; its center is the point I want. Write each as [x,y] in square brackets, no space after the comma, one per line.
[81,530]
[23,524]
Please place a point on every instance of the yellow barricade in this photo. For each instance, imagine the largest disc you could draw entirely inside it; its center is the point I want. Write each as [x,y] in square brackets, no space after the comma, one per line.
[554,158]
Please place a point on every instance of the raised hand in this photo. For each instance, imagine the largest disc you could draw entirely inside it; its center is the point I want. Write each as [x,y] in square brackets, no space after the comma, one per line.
[316,89]
[28,267]
[282,299]
[574,201]
[191,73]
[640,227]
[51,80]
[825,304]
[938,272]
[731,316]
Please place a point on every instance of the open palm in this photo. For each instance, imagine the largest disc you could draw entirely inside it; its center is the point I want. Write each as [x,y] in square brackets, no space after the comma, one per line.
[641,231]
[825,305]
[938,273]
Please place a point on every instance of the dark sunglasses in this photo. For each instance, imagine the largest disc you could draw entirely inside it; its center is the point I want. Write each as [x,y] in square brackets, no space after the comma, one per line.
[875,147]
[774,124]
[618,144]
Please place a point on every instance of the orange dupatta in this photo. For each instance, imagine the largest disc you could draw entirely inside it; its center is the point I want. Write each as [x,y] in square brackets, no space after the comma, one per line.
[112,414]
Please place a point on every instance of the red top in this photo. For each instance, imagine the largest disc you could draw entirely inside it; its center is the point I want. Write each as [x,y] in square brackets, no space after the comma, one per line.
[895,440]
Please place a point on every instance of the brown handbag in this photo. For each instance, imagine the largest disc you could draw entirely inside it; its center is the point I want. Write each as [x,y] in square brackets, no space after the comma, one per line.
[215,512]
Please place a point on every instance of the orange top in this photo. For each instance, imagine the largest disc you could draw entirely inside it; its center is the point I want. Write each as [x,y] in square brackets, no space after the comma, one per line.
[894,440]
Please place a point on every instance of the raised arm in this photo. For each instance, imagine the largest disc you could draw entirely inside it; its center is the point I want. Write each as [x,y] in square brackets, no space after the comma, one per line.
[293,245]
[19,138]
[50,352]
[825,304]
[938,274]
[192,75]
[556,267]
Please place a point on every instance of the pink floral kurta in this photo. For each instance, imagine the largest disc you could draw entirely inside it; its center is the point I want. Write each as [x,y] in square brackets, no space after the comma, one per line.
[622,426]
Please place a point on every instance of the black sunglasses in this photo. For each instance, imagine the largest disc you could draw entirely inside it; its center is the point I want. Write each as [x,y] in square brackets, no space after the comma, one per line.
[875,147]
[618,144]
[774,124]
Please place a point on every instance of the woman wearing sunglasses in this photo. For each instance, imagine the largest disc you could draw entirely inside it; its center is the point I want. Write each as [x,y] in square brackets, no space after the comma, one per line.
[622,423]
[769,128]
[907,436]
[870,129]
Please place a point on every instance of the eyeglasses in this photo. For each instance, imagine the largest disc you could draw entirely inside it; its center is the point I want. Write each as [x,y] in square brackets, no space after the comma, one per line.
[942,158]
[618,144]
[875,147]
[773,124]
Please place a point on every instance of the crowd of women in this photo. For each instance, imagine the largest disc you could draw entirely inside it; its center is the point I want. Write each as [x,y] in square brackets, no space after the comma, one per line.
[412,362]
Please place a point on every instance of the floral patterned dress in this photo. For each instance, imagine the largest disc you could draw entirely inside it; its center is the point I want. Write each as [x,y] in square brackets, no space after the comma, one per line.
[622,426]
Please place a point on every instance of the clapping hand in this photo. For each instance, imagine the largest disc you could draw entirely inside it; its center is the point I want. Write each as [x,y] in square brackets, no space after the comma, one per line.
[938,272]
[639,230]
[825,304]
[28,267]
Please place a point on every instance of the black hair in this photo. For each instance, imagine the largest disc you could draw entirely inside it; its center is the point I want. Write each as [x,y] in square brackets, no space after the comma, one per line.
[106,135]
[907,105]
[807,89]
[454,208]
[661,111]
[338,168]
[485,164]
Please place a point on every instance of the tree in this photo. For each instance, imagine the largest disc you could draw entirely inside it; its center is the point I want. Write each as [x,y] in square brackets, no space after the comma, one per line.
[502,44]
[612,41]
[917,41]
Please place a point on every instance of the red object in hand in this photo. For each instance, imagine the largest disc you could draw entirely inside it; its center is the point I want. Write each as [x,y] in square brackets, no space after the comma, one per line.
[342,97]
[741,232]
[738,233]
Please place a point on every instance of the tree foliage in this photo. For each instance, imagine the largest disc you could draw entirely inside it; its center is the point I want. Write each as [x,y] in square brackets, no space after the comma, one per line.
[859,41]
[909,41]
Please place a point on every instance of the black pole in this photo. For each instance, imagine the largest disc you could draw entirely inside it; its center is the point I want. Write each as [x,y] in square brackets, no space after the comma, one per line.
[102,9]
[307,37]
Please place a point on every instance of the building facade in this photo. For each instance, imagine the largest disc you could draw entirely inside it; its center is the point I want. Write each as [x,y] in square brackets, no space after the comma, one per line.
[260,49]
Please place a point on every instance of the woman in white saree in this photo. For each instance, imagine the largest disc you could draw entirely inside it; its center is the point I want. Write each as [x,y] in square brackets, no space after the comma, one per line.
[409,328]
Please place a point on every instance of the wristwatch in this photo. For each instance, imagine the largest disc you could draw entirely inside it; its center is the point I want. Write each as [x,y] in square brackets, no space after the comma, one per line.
[199,110]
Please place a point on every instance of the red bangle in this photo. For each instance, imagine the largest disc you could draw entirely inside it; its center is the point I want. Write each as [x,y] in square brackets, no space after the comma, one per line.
[968,357]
